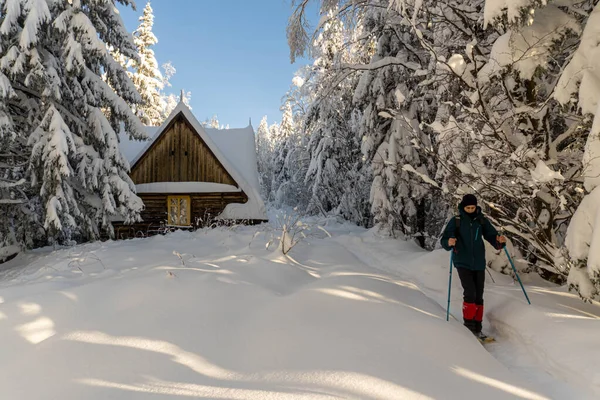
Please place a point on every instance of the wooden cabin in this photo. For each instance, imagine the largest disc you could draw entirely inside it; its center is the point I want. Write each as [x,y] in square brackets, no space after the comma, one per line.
[190,176]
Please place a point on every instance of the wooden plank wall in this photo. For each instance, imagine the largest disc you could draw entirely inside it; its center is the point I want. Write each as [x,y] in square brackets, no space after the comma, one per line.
[155,210]
[205,207]
[180,155]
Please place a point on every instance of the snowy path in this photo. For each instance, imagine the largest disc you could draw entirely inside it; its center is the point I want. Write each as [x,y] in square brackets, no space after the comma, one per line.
[215,315]
[517,350]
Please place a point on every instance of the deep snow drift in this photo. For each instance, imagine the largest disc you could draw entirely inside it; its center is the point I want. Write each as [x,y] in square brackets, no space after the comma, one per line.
[215,314]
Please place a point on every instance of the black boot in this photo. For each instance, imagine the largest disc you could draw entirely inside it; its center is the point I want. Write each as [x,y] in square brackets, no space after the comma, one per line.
[477,327]
[471,324]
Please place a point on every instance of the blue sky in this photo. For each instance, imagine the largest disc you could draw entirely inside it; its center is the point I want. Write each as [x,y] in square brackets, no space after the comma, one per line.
[232,55]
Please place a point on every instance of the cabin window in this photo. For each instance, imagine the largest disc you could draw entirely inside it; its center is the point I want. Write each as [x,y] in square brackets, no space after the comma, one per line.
[179,210]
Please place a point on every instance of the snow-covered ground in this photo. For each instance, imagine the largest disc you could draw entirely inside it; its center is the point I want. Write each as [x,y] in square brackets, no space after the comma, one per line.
[216,315]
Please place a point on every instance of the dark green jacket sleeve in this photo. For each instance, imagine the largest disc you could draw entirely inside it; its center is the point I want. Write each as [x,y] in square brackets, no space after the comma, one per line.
[490,233]
[449,232]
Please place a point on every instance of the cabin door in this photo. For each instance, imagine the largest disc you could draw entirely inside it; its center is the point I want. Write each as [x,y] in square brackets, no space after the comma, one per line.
[179,210]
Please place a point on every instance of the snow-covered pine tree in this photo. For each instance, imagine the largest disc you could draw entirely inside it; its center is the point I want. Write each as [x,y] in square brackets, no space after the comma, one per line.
[54,55]
[297,160]
[146,75]
[337,177]
[283,142]
[577,88]
[16,216]
[214,122]
[143,70]
[264,150]
[53,149]
[400,200]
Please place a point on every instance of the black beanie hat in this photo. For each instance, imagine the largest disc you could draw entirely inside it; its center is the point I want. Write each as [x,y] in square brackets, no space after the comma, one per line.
[468,200]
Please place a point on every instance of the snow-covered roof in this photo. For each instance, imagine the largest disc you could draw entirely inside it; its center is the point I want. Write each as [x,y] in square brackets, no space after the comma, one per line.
[234,148]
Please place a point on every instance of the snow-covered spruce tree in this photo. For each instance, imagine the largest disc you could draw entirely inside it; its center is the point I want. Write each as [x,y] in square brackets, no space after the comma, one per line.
[577,87]
[54,56]
[146,75]
[53,146]
[143,70]
[282,147]
[264,150]
[294,189]
[17,221]
[400,200]
[338,179]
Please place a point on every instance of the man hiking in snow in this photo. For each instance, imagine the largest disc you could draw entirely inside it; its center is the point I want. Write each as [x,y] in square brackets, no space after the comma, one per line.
[464,235]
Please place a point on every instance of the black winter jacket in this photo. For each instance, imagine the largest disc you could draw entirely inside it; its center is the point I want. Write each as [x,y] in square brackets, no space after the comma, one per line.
[470,249]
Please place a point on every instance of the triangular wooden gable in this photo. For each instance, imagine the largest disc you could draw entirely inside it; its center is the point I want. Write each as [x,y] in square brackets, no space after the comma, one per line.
[179,155]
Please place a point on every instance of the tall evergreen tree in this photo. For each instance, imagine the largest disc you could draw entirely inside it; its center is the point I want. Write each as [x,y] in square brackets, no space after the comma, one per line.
[283,146]
[146,75]
[337,176]
[264,149]
[64,116]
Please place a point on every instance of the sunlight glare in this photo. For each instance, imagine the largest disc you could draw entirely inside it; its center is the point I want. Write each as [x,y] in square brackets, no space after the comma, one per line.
[569,316]
[330,384]
[226,258]
[30,308]
[548,291]
[382,278]
[220,271]
[508,388]
[198,391]
[193,361]
[368,293]
[341,383]
[581,311]
[279,261]
[38,330]
[69,296]
[345,294]
[421,311]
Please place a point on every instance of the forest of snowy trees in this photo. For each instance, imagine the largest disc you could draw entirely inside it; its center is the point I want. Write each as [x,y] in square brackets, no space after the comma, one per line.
[409,104]
[406,106]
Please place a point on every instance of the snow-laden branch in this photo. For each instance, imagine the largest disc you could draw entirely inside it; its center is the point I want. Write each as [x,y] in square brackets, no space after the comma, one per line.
[11,201]
[427,179]
[6,184]
[384,62]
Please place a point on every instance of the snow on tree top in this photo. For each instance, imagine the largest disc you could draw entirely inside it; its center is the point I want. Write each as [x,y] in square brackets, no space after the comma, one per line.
[494,9]
[234,148]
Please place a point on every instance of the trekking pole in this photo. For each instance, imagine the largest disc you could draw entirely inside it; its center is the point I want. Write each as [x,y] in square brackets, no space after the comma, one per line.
[450,285]
[515,270]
